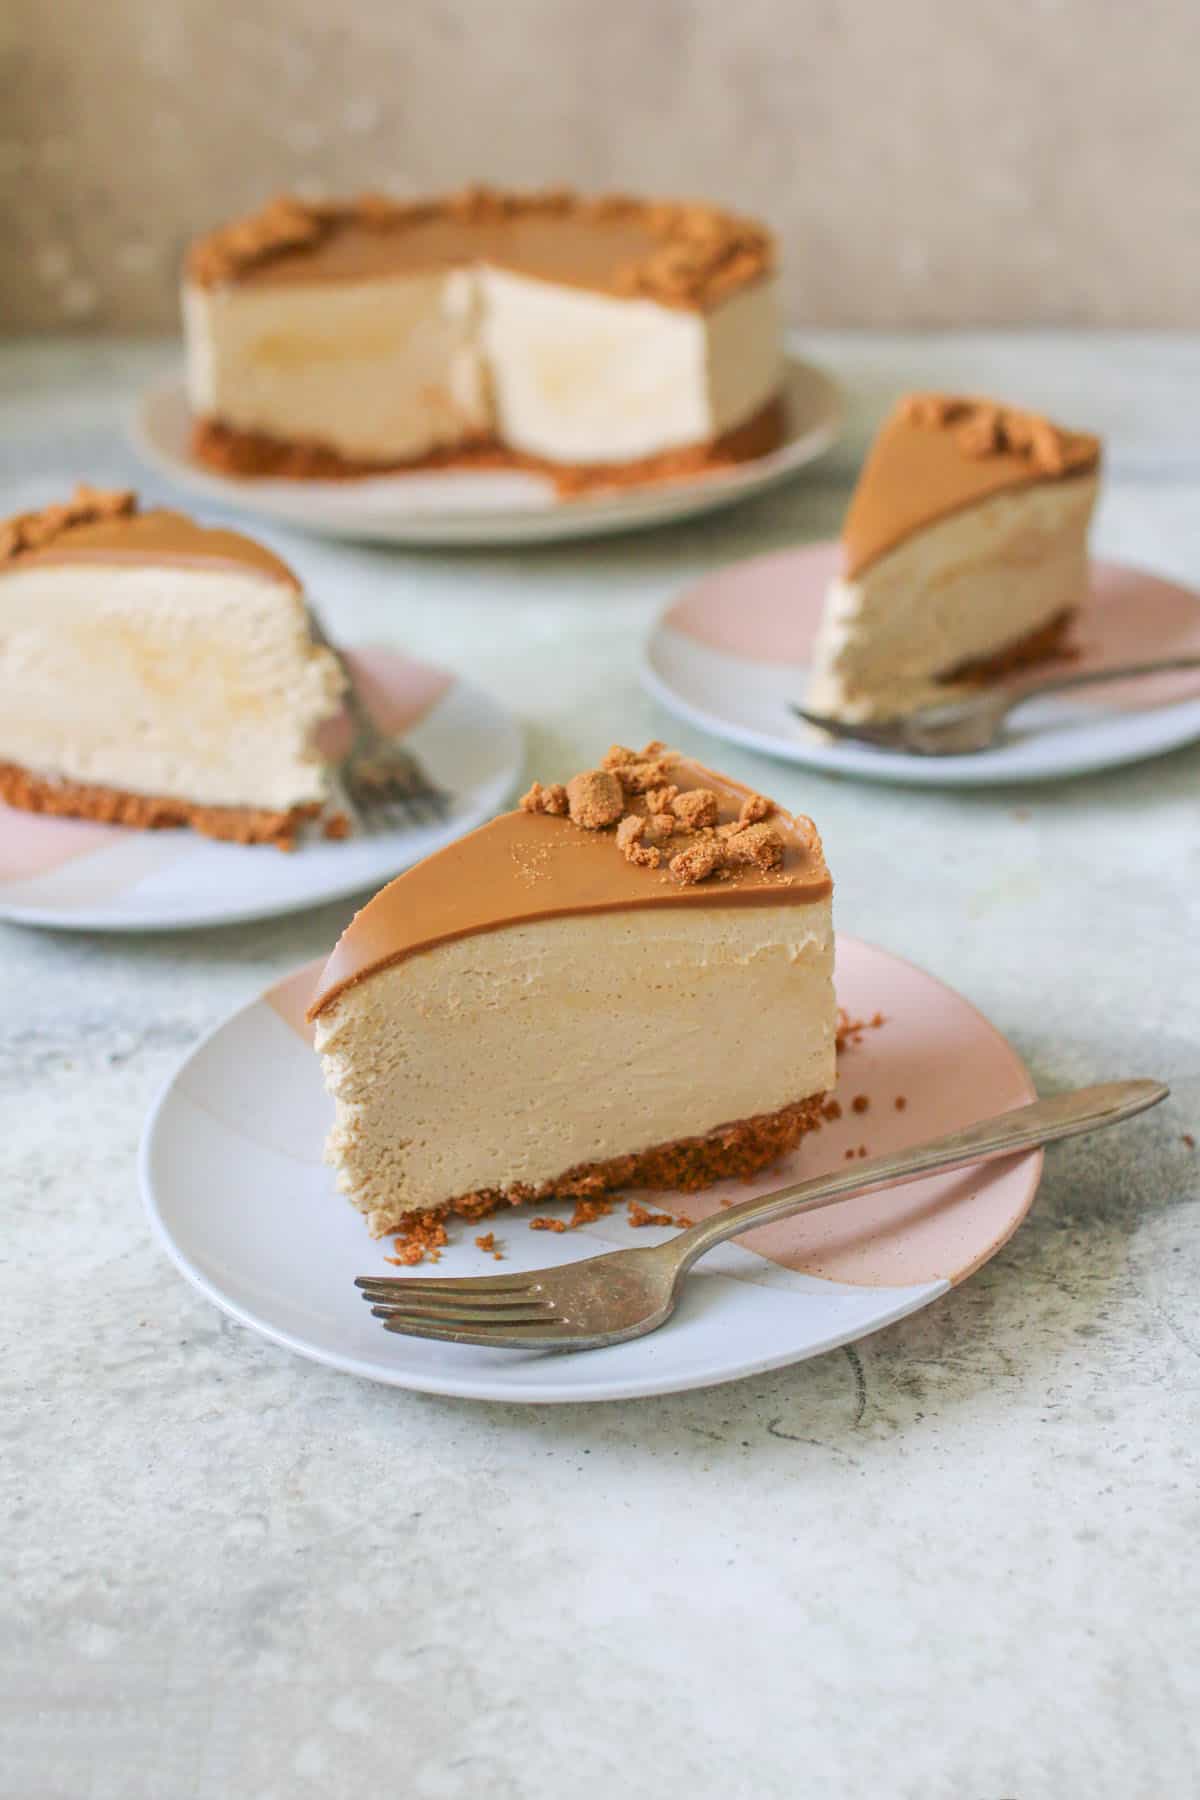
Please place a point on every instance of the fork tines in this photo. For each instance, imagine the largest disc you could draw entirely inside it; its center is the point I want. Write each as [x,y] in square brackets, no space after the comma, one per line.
[489,1309]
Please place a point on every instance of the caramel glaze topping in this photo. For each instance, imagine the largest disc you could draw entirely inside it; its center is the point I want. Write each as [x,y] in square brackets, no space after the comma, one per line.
[940,453]
[678,253]
[99,527]
[567,851]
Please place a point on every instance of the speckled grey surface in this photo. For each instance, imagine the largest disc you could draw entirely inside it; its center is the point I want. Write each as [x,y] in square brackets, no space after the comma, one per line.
[954,1563]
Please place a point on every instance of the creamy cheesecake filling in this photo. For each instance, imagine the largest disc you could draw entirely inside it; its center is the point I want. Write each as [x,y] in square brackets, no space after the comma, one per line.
[202,684]
[583,377]
[373,369]
[397,368]
[509,1058]
[962,589]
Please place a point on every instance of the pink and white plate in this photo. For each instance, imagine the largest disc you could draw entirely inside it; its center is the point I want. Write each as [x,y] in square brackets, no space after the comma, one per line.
[74,874]
[732,652]
[237,1193]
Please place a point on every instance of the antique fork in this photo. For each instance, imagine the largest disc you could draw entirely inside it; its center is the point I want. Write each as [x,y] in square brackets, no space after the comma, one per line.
[625,1293]
[378,783]
[974,722]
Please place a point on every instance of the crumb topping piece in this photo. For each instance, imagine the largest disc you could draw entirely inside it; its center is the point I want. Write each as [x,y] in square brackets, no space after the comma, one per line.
[539,799]
[983,429]
[595,799]
[87,506]
[657,821]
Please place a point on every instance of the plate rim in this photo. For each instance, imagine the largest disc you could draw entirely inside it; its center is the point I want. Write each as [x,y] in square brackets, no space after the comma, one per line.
[895,768]
[594,515]
[76,920]
[477,1388]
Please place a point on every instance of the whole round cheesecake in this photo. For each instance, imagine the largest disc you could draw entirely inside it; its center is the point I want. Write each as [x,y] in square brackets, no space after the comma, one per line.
[602,340]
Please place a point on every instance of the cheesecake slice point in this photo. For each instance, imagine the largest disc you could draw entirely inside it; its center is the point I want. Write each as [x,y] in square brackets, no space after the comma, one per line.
[964,555]
[556,1008]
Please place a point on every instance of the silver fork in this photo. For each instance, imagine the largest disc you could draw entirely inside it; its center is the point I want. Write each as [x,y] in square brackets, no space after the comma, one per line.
[378,783]
[974,722]
[625,1293]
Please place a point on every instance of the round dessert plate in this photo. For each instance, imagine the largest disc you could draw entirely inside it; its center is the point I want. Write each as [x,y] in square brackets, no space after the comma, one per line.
[232,1176]
[452,507]
[78,875]
[732,652]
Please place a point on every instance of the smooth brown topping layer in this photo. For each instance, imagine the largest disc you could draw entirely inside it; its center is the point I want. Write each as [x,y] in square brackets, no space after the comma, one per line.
[681,253]
[940,453]
[87,506]
[982,428]
[543,862]
[100,527]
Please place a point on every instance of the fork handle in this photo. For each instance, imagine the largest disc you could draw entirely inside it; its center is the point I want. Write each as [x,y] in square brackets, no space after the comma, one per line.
[1056,684]
[1061,1116]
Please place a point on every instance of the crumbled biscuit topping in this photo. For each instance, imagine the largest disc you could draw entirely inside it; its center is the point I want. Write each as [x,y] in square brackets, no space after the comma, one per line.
[87,506]
[700,252]
[539,799]
[983,429]
[657,822]
[595,799]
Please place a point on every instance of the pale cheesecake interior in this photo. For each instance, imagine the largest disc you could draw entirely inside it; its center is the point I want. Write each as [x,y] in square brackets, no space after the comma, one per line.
[143,655]
[566,335]
[965,551]
[537,1005]
[964,590]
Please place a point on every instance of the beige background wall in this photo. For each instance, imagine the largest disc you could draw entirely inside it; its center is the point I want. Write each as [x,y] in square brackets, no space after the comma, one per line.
[928,162]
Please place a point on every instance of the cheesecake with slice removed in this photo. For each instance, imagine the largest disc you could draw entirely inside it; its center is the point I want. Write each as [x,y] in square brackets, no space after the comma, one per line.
[597,340]
[154,672]
[964,556]
[625,983]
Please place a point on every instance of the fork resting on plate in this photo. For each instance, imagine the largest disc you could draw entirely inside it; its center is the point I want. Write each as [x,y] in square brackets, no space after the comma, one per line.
[963,726]
[626,1293]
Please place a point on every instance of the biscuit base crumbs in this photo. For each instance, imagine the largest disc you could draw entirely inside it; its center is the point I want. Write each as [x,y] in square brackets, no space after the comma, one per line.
[641,1215]
[860,1103]
[420,1238]
[546,1224]
[850,1031]
[586,1211]
[487,1241]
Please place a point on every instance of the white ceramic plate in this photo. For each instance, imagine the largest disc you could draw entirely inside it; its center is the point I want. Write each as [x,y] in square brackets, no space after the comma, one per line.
[232,1177]
[70,873]
[732,652]
[451,507]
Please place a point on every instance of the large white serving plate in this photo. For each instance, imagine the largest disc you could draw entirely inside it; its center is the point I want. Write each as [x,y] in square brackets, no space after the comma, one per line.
[457,507]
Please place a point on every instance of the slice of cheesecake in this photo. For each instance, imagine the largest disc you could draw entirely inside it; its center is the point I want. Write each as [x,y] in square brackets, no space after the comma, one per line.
[154,672]
[596,339]
[625,983]
[964,555]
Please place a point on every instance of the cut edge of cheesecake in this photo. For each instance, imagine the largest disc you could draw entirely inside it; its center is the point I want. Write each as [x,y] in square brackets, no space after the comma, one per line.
[106,530]
[650,830]
[964,556]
